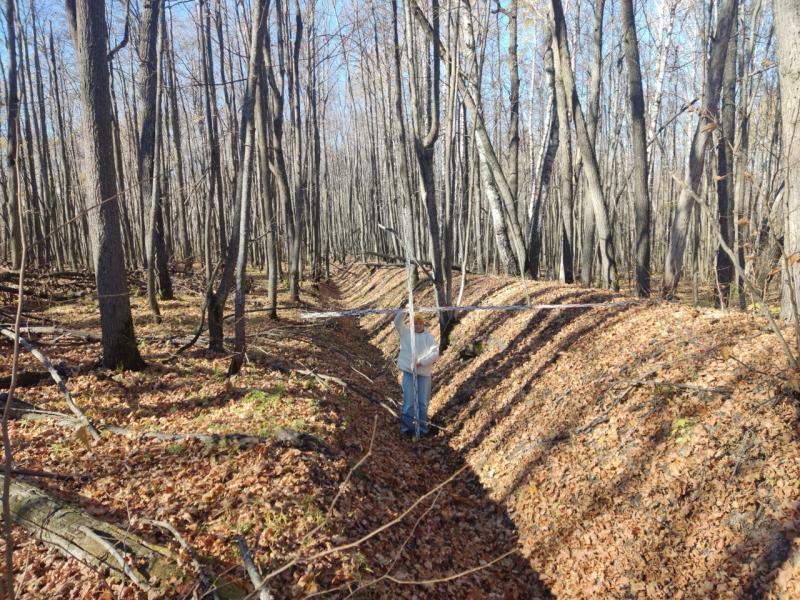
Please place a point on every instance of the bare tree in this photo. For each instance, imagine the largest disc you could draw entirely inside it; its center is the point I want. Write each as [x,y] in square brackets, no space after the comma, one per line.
[592,169]
[12,121]
[89,35]
[707,122]
[787,32]
[639,147]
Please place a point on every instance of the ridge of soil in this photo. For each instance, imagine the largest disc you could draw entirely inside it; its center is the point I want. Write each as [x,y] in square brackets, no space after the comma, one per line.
[644,450]
[272,496]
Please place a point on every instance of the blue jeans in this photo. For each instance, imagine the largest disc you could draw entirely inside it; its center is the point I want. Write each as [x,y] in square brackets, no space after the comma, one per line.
[423,396]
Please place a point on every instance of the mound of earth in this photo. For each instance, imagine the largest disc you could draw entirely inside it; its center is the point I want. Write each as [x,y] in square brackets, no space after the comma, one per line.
[644,449]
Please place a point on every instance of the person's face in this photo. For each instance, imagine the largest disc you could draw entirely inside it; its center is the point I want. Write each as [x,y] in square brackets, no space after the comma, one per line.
[419,326]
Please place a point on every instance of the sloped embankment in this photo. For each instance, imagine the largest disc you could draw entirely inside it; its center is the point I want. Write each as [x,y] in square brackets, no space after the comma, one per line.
[646,450]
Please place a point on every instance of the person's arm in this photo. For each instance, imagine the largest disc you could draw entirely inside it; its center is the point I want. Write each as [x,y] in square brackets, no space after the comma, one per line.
[430,355]
[399,323]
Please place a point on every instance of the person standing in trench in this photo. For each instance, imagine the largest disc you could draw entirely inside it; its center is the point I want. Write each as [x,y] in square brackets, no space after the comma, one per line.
[415,397]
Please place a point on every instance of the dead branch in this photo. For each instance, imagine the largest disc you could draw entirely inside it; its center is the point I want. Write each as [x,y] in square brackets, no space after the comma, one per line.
[58,379]
[43,474]
[287,438]
[28,379]
[86,336]
[208,586]
[127,570]
[252,571]
[367,536]
[284,437]
[725,391]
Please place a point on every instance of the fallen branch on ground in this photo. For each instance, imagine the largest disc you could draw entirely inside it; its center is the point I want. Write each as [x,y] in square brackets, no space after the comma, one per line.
[682,386]
[25,379]
[284,437]
[22,472]
[208,586]
[252,571]
[90,428]
[46,295]
[86,336]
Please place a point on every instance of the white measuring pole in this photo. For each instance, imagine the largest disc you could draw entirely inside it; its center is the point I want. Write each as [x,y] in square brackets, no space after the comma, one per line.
[410,259]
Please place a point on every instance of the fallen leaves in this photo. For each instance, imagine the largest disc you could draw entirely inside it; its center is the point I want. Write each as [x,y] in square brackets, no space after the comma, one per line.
[667,497]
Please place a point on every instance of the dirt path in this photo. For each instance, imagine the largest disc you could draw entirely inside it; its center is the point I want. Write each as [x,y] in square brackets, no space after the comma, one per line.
[455,530]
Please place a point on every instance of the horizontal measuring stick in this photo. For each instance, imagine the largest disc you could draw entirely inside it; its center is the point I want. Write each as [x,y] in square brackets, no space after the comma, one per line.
[360,312]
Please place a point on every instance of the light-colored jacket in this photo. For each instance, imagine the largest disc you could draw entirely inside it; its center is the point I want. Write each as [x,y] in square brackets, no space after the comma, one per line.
[426,347]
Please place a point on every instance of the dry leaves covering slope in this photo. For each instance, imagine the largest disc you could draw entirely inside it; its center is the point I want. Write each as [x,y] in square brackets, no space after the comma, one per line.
[644,450]
[273,496]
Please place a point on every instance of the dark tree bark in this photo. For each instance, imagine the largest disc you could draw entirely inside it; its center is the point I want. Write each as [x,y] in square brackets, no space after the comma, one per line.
[267,187]
[12,121]
[705,125]
[592,170]
[564,156]
[787,32]
[588,243]
[725,180]
[89,35]
[641,201]
[150,63]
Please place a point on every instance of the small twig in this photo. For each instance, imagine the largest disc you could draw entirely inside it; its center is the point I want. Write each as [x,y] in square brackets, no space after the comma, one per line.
[399,552]
[126,568]
[450,577]
[208,586]
[362,374]
[367,536]
[344,483]
[252,571]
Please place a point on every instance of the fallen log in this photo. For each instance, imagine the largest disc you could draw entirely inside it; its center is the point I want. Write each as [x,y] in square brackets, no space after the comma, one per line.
[104,546]
[67,528]
[44,295]
[284,437]
[86,336]
[25,379]
[287,438]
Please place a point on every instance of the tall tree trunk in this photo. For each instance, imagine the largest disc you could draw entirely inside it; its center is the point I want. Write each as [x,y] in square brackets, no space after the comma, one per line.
[705,125]
[267,187]
[426,132]
[175,122]
[89,35]
[12,130]
[295,253]
[544,170]
[591,168]
[588,244]
[235,260]
[491,173]
[146,93]
[787,32]
[725,176]
[564,156]
[641,201]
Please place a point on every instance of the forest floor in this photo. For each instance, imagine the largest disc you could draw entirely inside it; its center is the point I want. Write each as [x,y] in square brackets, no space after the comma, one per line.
[281,500]
[644,449]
